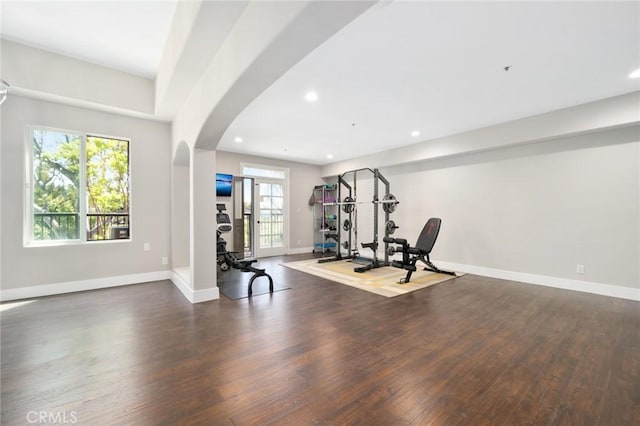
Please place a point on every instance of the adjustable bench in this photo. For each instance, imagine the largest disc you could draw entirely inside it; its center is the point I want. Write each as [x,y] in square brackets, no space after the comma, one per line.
[420,252]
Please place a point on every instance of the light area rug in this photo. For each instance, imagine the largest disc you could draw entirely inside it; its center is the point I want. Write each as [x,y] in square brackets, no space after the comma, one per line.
[382,281]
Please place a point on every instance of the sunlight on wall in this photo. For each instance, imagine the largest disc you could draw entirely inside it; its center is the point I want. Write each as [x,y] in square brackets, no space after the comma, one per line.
[11,305]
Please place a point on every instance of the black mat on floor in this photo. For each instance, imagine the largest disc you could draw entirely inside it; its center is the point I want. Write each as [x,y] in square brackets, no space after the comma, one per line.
[238,290]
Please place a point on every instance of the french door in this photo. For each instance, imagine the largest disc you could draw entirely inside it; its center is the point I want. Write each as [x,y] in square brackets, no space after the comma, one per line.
[270,217]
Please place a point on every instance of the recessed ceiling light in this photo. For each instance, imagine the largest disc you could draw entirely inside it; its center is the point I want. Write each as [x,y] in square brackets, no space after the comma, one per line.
[329,156]
[415,133]
[238,140]
[311,96]
[635,74]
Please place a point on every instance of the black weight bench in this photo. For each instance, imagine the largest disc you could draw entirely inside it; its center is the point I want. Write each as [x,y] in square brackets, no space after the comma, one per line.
[420,252]
[245,266]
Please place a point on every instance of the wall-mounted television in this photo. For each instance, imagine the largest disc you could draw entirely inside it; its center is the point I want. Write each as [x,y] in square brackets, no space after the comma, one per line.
[224,183]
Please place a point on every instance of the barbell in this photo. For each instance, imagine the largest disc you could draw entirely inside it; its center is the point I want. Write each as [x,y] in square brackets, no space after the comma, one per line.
[389,203]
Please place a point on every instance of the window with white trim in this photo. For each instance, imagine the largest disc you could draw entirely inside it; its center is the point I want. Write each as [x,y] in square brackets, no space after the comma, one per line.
[77,187]
[264,171]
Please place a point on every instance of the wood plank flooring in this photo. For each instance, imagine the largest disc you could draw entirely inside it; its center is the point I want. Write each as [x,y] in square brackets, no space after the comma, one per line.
[473,351]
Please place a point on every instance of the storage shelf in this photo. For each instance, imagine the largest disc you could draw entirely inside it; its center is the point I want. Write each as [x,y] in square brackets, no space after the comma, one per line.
[325,217]
[328,244]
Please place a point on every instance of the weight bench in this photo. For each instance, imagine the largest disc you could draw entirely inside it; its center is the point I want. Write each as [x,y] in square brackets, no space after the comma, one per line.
[245,266]
[421,251]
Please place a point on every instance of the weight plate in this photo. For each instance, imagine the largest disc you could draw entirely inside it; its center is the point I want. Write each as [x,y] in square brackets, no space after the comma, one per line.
[390,227]
[348,208]
[390,203]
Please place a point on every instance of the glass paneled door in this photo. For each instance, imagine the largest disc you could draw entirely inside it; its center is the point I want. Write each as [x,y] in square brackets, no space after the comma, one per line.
[270,226]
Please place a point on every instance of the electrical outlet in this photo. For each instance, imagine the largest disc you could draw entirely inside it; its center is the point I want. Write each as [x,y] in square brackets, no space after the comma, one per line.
[299,242]
[165,260]
[146,246]
[580,269]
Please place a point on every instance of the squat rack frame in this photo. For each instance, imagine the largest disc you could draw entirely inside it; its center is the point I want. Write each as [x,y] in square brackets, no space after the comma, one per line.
[350,192]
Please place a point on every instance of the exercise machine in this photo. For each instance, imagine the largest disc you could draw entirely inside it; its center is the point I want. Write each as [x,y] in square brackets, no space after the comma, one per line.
[223,226]
[420,252]
[348,205]
[228,259]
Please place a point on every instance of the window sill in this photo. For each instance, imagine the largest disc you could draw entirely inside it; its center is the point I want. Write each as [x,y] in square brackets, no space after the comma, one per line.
[58,243]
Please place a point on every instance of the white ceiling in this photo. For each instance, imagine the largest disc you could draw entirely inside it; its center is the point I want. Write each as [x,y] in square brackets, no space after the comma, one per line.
[124,35]
[435,67]
[438,67]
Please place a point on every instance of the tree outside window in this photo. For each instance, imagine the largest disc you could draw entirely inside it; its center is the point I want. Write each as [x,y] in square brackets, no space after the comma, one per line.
[79,181]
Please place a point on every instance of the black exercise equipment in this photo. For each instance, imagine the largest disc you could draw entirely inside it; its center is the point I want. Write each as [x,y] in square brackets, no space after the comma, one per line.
[348,206]
[390,227]
[226,259]
[223,225]
[421,251]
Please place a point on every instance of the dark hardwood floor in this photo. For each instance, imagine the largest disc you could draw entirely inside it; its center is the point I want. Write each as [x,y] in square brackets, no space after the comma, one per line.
[473,351]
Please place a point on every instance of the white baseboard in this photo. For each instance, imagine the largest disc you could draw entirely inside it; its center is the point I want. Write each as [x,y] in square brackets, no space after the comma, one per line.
[182,285]
[547,281]
[300,250]
[194,296]
[206,295]
[197,296]
[82,285]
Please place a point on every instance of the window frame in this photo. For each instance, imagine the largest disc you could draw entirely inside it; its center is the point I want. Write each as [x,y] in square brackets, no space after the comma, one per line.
[267,168]
[285,180]
[28,193]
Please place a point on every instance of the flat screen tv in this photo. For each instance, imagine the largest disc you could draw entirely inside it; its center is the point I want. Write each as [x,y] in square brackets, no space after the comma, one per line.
[223,185]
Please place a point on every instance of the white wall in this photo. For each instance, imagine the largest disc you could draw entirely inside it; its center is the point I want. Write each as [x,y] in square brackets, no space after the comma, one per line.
[74,265]
[302,179]
[539,209]
[180,217]
[38,73]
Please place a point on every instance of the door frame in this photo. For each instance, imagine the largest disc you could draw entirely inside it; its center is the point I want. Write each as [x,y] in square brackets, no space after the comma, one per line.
[258,178]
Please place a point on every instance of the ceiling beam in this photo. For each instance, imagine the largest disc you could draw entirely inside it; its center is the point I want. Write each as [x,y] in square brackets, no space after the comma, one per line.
[267,40]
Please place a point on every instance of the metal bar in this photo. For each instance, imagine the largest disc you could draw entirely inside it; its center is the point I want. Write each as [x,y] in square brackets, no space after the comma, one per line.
[342,182]
[375,216]
[386,216]
[363,202]
[355,220]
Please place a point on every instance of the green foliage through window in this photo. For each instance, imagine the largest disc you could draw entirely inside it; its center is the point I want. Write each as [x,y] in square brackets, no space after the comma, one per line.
[62,205]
